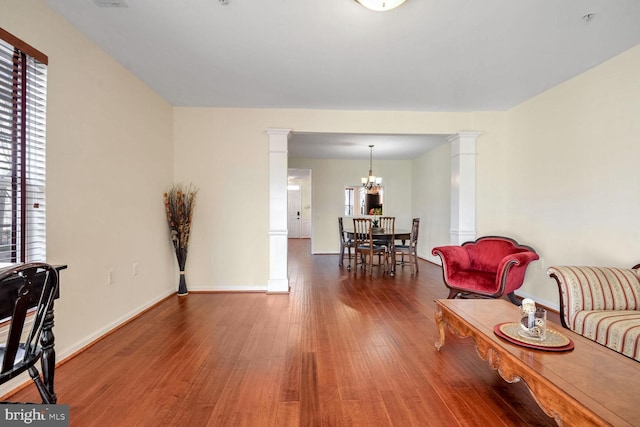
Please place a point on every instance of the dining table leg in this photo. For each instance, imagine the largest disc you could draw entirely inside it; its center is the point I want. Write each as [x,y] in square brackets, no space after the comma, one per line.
[392,268]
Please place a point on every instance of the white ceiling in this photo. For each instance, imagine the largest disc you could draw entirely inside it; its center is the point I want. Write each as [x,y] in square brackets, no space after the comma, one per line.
[356,146]
[427,55]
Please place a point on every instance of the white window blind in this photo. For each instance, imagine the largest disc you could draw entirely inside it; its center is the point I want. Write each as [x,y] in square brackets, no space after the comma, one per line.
[23,80]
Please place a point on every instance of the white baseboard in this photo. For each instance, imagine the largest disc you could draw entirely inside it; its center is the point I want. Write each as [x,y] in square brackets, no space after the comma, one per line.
[256,288]
[548,304]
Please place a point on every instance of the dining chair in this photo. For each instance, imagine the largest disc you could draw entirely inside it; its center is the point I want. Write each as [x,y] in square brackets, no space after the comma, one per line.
[365,248]
[29,289]
[388,224]
[411,249]
[346,243]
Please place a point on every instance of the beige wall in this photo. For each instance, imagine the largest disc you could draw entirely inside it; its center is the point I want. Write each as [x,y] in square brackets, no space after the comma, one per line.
[109,159]
[573,171]
[225,154]
[432,199]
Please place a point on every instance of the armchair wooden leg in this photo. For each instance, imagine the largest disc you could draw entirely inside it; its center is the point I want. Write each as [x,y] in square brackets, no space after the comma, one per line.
[452,294]
[513,299]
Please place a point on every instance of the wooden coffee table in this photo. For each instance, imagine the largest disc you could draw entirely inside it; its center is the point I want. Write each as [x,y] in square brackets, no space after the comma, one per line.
[589,385]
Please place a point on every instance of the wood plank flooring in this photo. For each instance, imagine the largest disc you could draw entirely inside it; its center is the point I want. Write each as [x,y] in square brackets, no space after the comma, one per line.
[342,349]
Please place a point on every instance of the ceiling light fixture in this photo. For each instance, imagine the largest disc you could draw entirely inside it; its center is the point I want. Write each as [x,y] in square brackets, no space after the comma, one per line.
[380,5]
[371,182]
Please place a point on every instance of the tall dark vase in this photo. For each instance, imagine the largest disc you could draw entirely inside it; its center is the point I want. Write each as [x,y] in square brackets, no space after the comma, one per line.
[182,261]
[182,286]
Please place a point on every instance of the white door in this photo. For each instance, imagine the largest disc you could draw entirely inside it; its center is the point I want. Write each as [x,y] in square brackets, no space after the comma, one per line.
[294,201]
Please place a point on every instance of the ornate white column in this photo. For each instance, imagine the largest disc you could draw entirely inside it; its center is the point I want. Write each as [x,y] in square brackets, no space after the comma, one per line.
[278,250]
[463,187]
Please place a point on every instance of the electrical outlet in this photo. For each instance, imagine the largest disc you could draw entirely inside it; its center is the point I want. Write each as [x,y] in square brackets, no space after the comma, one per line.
[134,269]
[110,277]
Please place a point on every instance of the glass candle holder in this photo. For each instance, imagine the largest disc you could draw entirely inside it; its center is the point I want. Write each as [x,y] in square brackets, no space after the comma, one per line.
[533,323]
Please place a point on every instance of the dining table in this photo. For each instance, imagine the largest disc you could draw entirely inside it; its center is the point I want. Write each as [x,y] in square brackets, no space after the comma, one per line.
[388,236]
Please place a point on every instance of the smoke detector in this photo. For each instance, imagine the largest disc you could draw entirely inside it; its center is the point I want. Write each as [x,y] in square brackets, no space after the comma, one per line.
[110,3]
[588,17]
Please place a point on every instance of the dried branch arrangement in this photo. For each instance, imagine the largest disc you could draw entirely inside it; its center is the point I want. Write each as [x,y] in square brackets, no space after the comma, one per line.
[179,203]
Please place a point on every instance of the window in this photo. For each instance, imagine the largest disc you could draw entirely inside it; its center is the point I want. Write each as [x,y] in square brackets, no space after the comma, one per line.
[349,201]
[367,203]
[371,201]
[23,80]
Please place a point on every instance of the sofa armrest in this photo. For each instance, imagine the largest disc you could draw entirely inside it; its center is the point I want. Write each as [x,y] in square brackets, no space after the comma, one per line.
[570,293]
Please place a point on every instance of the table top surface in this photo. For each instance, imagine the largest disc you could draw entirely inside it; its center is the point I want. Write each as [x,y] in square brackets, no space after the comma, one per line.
[9,290]
[382,232]
[607,382]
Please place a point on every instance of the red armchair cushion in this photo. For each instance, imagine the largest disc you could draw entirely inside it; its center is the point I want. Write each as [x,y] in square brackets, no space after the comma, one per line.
[476,281]
[490,266]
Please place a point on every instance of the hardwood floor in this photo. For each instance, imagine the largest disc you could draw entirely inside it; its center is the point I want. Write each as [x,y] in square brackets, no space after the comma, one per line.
[342,349]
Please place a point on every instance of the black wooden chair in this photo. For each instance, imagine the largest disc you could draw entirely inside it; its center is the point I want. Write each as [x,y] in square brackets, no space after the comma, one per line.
[27,291]
[345,243]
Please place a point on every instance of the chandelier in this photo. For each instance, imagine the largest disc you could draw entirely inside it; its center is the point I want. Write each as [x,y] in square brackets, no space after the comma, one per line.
[371,182]
[380,5]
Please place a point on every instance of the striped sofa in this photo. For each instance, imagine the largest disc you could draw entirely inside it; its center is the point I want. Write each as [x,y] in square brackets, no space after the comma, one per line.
[602,304]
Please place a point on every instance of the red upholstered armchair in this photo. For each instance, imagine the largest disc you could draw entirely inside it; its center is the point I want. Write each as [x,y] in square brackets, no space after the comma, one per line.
[491,266]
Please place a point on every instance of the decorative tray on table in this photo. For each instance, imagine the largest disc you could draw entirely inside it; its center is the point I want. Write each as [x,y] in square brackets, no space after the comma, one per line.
[554,340]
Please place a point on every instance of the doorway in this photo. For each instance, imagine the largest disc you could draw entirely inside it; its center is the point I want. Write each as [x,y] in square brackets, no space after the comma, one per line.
[299,203]
[294,203]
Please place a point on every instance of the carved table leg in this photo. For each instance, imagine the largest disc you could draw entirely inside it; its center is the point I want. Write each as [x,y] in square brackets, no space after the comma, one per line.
[47,361]
[440,323]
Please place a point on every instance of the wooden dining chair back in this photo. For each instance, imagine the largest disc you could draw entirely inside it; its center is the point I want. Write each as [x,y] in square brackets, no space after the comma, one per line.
[365,248]
[388,224]
[411,249]
[28,290]
[346,243]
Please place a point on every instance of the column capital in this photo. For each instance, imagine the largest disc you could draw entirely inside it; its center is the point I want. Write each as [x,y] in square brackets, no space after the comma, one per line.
[278,131]
[278,139]
[463,143]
